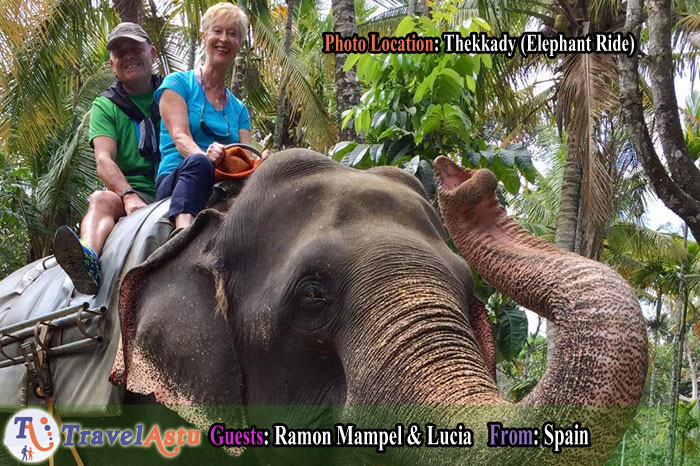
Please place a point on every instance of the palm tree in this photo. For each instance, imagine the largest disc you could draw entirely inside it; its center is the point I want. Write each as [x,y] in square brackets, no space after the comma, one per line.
[282,99]
[307,73]
[664,271]
[347,89]
[58,71]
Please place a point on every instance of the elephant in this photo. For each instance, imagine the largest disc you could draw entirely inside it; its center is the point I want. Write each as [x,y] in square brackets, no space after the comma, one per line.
[330,287]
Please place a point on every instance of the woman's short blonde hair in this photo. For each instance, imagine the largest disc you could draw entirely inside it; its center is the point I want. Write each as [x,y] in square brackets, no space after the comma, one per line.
[228,12]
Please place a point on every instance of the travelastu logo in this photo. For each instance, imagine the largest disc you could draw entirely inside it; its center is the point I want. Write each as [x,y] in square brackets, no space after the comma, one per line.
[32,435]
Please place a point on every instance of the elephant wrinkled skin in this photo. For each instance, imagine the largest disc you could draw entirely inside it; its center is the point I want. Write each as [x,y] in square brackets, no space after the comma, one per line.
[329,286]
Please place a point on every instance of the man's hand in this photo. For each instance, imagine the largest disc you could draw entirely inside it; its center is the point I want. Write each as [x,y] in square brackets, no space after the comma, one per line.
[216,153]
[265,154]
[132,203]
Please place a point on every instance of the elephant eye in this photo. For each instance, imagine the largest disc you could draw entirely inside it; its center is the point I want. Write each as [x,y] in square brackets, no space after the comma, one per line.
[312,302]
[312,293]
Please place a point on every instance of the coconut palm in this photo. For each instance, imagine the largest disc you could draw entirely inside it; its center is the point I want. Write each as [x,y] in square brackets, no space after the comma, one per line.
[346,86]
[665,272]
[46,89]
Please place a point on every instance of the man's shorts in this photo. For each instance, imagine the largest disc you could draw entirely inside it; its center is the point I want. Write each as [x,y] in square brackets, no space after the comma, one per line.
[147,198]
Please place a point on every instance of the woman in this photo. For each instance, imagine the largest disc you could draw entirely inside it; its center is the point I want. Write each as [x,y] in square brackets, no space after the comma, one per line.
[200,116]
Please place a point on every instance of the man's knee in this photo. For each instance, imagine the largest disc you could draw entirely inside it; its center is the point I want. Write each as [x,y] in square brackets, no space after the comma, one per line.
[106,203]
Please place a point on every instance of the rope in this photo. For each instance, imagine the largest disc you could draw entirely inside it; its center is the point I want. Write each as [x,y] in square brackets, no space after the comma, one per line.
[73,450]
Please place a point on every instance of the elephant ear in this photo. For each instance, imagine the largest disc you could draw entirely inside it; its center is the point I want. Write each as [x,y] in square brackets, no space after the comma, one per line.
[176,343]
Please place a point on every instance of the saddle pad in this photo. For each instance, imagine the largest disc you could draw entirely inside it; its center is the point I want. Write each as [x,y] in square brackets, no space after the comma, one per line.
[80,378]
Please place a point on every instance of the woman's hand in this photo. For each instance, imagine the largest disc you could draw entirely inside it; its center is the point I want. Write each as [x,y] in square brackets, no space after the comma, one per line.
[216,153]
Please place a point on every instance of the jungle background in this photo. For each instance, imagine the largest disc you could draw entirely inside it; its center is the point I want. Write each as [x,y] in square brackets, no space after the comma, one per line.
[582,145]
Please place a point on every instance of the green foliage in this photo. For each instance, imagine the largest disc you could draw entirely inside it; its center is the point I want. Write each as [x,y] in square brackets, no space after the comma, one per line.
[14,241]
[506,163]
[309,76]
[536,207]
[692,124]
[511,331]
[519,376]
[420,106]
[509,320]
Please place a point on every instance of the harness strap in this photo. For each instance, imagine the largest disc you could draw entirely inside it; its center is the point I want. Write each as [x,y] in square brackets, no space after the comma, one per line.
[73,450]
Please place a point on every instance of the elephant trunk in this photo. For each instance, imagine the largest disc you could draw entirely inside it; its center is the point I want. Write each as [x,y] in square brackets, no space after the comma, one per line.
[417,324]
[601,347]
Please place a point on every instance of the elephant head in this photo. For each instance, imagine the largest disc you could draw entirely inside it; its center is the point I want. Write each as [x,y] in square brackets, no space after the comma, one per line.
[329,286]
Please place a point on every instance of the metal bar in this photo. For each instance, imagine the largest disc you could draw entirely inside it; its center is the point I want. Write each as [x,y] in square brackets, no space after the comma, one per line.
[16,360]
[72,346]
[244,146]
[83,330]
[58,350]
[26,328]
[31,322]
[74,315]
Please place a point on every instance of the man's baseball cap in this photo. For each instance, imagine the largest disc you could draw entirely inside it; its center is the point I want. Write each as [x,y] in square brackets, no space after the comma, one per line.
[129,31]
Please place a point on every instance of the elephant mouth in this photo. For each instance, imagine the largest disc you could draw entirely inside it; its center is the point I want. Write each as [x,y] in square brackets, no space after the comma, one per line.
[450,176]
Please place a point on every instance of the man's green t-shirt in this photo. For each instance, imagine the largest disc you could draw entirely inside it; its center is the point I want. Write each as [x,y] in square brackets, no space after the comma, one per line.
[107,120]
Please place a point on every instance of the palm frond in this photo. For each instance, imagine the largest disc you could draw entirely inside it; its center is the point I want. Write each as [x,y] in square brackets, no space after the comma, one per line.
[536,210]
[587,89]
[62,193]
[384,23]
[642,243]
[314,118]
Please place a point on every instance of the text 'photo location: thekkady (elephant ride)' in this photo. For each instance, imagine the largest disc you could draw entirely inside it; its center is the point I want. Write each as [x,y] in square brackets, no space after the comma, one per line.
[326,295]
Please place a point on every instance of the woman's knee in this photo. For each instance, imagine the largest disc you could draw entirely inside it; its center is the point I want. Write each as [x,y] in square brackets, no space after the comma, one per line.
[199,163]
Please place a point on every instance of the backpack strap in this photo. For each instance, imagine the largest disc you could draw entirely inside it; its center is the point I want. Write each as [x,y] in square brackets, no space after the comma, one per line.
[148,126]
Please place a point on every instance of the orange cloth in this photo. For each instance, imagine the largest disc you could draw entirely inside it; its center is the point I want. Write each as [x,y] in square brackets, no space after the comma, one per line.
[236,164]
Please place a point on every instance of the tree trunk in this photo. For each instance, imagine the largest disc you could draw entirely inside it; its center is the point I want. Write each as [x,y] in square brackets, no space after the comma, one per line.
[567,218]
[417,7]
[673,394]
[239,73]
[678,341]
[130,10]
[567,223]
[347,89]
[668,123]
[622,457]
[652,382]
[679,189]
[693,369]
[191,52]
[278,136]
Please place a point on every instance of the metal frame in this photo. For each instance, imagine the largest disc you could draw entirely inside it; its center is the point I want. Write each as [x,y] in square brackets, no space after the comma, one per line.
[72,315]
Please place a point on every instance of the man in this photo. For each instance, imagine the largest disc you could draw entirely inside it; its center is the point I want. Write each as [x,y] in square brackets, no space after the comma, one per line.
[124,126]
